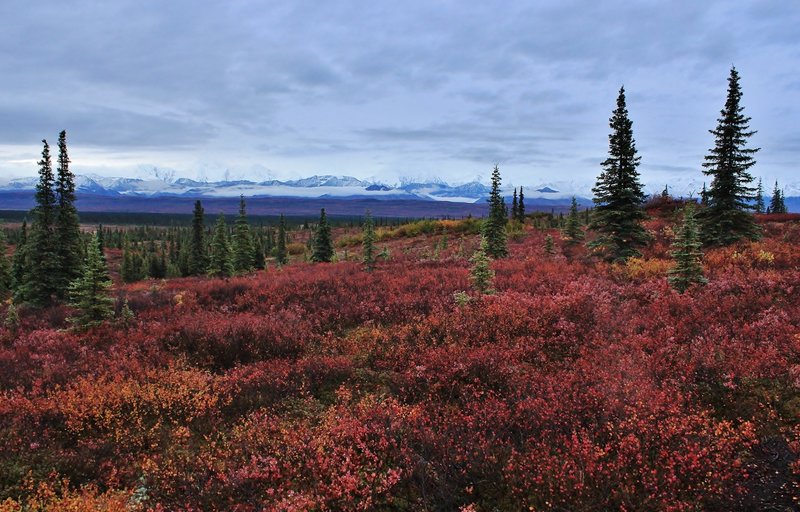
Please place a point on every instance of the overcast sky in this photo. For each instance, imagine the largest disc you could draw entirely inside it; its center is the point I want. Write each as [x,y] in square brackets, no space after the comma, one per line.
[419,88]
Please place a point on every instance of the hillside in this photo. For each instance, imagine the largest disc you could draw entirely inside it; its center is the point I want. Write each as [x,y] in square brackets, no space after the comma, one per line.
[578,385]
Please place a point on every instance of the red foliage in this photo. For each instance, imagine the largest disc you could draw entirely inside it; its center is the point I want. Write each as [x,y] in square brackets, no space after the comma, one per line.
[579,385]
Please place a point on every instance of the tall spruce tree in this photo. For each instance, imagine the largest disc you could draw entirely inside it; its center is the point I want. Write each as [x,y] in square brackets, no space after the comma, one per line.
[759,198]
[280,246]
[5,268]
[688,268]
[777,204]
[242,241]
[40,284]
[618,193]
[198,251]
[727,217]
[494,226]
[521,206]
[322,249]
[515,206]
[90,293]
[368,241]
[221,260]
[69,246]
[572,229]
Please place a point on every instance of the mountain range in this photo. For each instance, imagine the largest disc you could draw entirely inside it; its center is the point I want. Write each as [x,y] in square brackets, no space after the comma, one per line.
[323,186]
[17,193]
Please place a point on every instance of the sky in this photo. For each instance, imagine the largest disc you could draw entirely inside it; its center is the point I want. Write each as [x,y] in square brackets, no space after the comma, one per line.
[420,89]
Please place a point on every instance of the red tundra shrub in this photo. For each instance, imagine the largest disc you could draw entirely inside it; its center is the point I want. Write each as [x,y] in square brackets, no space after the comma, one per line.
[578,386]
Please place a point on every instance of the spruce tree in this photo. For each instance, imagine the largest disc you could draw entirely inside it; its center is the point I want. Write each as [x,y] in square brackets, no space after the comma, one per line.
[322,250]
[481,274]
[90,293]
[40,284]
[19,262]
[515,206]
[704,195]
[688,268]
[5,268]
[777,203]
[618,193]
[67,229]
[521,206]
[494,226]
[368,241]
[727,217]
[198,251]
[280,246]
[549,246]
[759,198]
[572,230]
[221,260]
[258,252]
[242,241]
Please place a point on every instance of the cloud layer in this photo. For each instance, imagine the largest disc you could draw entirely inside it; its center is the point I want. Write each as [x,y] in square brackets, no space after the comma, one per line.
[377,89]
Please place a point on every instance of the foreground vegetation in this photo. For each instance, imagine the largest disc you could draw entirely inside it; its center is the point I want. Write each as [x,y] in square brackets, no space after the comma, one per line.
[577,385]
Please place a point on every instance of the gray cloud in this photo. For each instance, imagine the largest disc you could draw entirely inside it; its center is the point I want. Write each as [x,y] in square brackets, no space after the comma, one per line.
[451,87]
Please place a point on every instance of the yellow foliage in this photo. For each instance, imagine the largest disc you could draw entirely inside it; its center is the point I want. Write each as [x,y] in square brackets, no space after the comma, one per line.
[58,497]
[640,268]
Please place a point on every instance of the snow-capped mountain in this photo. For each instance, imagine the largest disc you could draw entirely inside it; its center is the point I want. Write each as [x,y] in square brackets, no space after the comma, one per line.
[343,187]
[314,186]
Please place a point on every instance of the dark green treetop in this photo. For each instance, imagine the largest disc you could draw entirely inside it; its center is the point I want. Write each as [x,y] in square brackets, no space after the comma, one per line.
[727,217]
[198,252]
[494,226]
[322,249]
[618,194]
[90,293]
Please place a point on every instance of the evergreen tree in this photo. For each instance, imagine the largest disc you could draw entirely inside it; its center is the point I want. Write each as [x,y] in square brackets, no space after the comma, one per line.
[12,319]
[322,250]
[481,274]
[5,268]
[280,251]
[572,229]
[198,252]
[221,260]
[126,314]
[704,195]
[40,284]
[89,294]
[19,262]
[69,247]
[759,198]
[258,252]
[156,266]
[727,217]
[515,206]
[521,206]
[494,226]
[686,251]
[777,204]
[618,193]
[549,247]
[368,241]
[242,241]
[133,265]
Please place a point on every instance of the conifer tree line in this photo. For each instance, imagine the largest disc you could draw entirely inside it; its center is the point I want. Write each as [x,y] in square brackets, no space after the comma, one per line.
[51,253]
